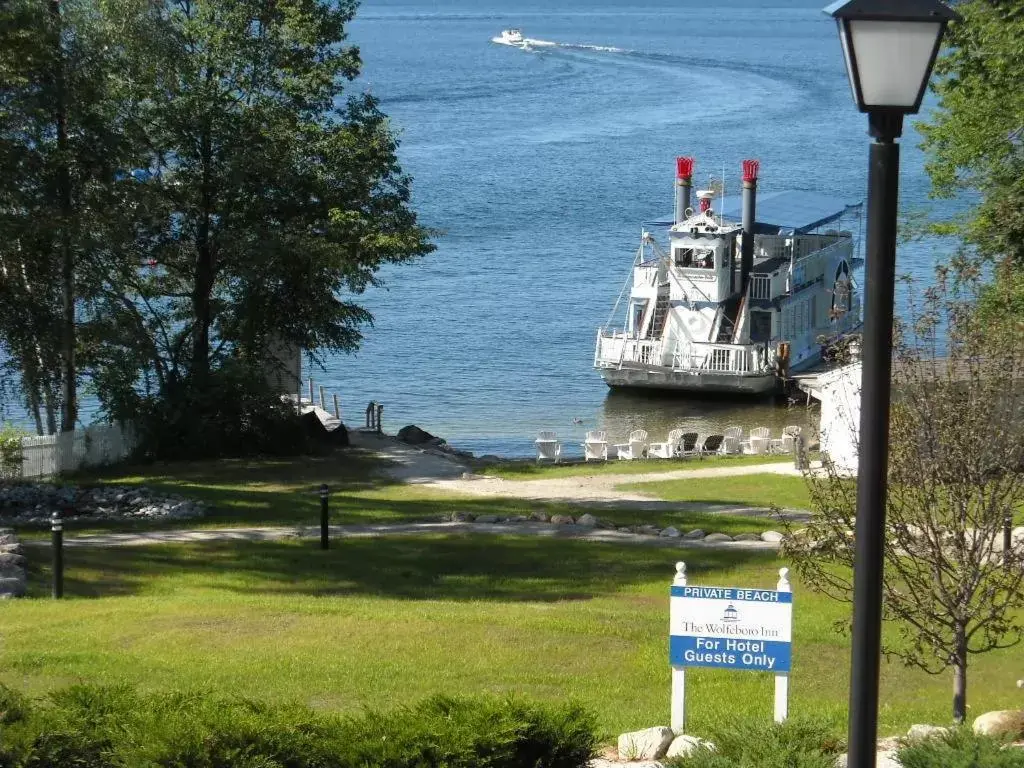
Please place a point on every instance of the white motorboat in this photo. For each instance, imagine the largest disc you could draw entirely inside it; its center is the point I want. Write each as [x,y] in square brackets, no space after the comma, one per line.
[737,300]
[512,37]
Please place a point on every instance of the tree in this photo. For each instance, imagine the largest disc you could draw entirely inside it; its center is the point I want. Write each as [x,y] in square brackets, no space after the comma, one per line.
[267,194]
[62,147]
[974,139]
[956,476]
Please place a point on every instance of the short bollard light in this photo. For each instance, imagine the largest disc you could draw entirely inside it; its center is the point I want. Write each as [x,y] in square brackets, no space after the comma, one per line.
[57,531]
[324,495]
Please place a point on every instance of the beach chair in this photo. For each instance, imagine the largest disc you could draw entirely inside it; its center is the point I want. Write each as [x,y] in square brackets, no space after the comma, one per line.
[670,448]
[787,442]
[635,448]
[760,441]
[595,446]
[688,444]
[548,447]
[713,444]
[732,444]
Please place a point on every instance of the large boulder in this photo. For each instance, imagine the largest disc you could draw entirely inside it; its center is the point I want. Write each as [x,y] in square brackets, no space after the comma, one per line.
[587,520]
[648,744]
[413,435]
[1003,722]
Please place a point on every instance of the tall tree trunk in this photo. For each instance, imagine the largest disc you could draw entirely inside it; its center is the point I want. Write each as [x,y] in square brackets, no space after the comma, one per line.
[203,276]
[69,405]
[960,676]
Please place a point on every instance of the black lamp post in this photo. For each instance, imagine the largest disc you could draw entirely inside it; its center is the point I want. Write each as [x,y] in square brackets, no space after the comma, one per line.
[890,48]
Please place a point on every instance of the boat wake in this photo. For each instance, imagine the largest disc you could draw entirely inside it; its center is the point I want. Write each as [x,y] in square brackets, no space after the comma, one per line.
[529,43]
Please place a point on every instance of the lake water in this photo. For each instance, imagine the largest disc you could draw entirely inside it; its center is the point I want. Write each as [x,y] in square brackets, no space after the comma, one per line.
[537,167]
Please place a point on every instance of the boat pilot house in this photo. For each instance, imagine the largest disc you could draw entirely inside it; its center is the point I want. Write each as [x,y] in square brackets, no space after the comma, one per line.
[735,295]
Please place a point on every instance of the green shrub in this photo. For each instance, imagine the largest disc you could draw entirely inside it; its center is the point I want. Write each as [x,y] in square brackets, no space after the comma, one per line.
[796,743]
[233,414]
[961,749]
[91,727]
[11,456]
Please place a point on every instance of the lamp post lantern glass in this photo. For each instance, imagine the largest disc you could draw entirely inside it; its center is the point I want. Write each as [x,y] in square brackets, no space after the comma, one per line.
[890,47]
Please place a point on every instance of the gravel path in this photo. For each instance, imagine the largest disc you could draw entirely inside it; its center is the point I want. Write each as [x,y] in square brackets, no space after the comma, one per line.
[431,467]
[146,538]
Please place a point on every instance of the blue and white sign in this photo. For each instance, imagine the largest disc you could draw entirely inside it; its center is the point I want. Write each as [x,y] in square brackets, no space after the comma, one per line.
[731,628]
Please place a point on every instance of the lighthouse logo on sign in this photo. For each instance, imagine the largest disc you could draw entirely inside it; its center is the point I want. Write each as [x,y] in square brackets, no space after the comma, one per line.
[731,628]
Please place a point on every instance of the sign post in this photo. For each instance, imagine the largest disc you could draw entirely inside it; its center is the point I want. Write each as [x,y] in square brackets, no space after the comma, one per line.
[729,628]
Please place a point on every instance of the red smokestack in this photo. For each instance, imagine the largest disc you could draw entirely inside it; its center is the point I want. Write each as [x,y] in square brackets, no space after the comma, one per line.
[750,169]
[684,167]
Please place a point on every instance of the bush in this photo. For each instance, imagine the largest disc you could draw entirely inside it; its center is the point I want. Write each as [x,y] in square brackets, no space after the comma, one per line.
[961,749]
[11,457]
[796,743]
[234,414]
[91,727]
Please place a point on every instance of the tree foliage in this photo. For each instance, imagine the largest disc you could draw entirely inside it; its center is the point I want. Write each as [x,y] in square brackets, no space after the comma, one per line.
[230,195]
[956,478]
[975,139]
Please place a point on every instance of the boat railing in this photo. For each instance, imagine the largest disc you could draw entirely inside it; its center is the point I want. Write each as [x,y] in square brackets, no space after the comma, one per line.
[735,359]
[616,347]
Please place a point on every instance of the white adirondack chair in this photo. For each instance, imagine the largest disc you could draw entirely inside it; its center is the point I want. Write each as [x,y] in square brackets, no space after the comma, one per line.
[732,443]
[635,448]
[548,447]
[788,440]
[595,446]
[760,440]
[670,448]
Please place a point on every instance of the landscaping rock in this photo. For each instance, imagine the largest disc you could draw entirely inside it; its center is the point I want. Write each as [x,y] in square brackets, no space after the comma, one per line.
[462,517]
[748,537]
[684,746]
[587,521]
[715,537]
[773,537]
[648,744]
[919,733]
[1004,722]
[487,519]
[695,534]
[12,586]
[561,520]
[670,533]
[540,517]
[35,503]
[518,519]
[11,560]
[650,530]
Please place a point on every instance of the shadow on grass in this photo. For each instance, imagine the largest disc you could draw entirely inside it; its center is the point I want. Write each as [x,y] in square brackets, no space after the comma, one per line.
[464,568]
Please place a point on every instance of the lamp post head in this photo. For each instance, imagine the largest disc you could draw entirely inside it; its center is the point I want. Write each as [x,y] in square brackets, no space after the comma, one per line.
[890,48]
[323,491]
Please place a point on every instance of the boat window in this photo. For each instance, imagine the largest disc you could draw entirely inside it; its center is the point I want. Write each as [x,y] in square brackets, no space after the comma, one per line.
[694,258]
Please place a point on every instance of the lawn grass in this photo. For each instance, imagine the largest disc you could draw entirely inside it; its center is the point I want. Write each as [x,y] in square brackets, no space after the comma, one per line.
[386,621]
[764,490]
[531,470]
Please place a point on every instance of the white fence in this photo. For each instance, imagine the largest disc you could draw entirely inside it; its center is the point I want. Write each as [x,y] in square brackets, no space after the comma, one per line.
[70,451]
